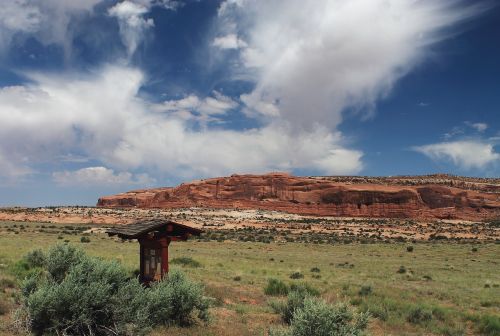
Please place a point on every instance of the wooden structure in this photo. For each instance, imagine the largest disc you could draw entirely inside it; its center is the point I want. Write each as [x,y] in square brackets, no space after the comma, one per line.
[154,236]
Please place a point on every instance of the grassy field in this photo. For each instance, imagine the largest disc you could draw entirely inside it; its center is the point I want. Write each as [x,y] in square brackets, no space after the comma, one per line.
[440,288]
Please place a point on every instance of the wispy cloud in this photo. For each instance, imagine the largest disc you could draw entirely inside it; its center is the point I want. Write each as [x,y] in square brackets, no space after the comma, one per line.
[478,126]
[466,154]
[100,176]
[132,23]
[48,21]
[312,60]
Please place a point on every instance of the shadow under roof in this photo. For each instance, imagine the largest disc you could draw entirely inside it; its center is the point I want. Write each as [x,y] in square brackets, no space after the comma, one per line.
[140,228]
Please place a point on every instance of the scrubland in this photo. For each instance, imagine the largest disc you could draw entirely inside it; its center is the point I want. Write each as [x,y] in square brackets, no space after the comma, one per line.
[435,287]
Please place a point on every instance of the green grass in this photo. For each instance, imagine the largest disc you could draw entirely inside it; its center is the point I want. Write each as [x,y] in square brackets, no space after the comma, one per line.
[456,288]
[185,261]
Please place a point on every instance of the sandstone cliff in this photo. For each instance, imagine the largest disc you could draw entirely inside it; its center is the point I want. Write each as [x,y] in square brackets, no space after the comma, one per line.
[424,197]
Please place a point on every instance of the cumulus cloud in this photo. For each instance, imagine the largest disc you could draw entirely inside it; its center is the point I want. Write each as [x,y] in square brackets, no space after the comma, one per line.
[102,116]
[467,154]
[101,176]
[46,20]
[312,60]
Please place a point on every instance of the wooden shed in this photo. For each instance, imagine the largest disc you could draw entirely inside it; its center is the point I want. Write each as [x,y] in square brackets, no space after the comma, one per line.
[154,237]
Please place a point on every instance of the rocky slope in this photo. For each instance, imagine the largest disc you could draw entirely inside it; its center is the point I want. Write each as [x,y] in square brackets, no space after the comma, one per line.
[424,197]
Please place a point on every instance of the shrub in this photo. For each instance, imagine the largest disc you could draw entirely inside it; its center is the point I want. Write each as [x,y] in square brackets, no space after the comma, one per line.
[402,270]
[296,275]
[4,308]
[276,287]
[20,269]
[305,288]
[186,261]
[315,270]
[380,312]
[174,299]
[7,283]
[489,325]
[89,296]
[316,317]
[474,249]
[409,249]
[85,239]
[60,258]
[365,290]
[35,258]
[286,309]
[237,278]
[419,315]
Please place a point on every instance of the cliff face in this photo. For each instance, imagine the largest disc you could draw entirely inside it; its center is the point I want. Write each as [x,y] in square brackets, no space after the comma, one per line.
[417,197]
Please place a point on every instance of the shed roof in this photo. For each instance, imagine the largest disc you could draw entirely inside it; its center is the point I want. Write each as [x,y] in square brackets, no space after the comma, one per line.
[139,228]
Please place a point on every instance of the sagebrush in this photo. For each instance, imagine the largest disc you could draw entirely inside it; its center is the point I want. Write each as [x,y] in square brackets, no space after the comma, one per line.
[74,294]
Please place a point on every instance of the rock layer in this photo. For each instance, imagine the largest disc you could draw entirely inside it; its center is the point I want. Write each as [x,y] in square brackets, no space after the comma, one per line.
[434,196]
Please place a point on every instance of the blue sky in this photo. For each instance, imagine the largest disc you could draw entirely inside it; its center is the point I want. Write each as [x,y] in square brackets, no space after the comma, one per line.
[99,97]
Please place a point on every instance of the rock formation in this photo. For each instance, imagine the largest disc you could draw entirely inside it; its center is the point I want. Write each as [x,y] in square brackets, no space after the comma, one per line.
[421,197]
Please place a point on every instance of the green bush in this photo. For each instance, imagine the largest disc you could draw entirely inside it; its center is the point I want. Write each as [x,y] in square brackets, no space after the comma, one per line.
[276,287]
[35,258]
[4,308]
[21,269]
[489,325]
[85,239]
[316,317]
[60,258]
[286,309]
[186,261]
[296,275]
[365,290]
[419,315]
[7,283]
[90,296]
[174,299]
[305,288]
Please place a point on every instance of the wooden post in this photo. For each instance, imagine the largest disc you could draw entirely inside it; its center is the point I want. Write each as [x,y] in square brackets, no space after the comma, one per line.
[164,242]
[141,262]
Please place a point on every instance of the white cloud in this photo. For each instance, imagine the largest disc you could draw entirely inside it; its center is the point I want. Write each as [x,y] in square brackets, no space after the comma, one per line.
[467,154]
[202,110]
[312,60]
[12,170]
[480,127]
[101,176]
[132,23]
[101,116]
[47,20]
[230,41]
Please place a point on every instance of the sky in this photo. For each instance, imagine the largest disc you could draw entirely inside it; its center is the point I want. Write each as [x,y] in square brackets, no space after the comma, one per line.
[101,96]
